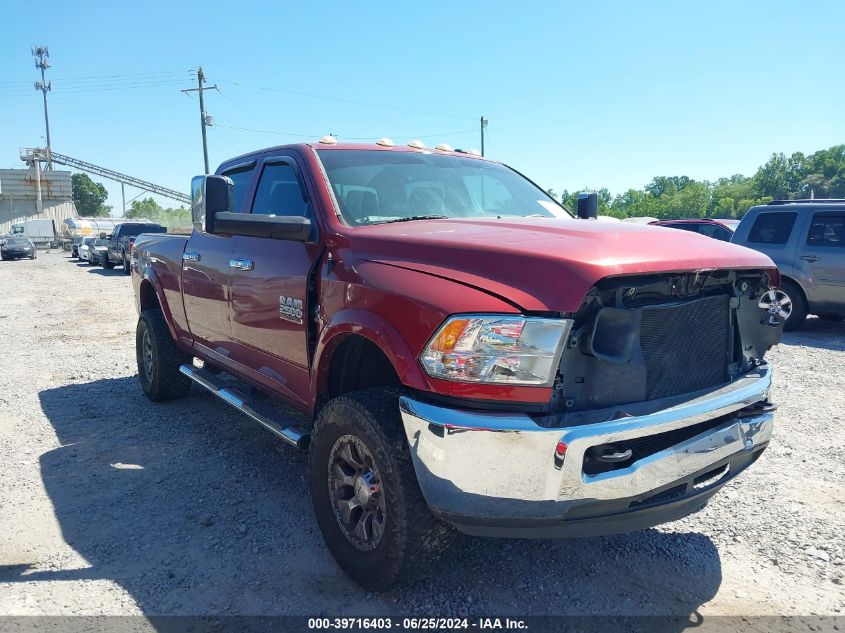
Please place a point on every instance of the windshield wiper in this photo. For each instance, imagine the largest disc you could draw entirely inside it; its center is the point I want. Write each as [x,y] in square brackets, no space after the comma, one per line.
[415,217]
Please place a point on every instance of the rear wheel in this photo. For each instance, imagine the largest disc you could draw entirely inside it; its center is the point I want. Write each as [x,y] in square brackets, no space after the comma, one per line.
[368,503]
[107,263]
[788,303]
[159,359]
[125,264]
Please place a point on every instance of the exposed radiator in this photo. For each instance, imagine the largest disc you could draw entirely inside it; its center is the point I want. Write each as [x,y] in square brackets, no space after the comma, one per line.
[685,346]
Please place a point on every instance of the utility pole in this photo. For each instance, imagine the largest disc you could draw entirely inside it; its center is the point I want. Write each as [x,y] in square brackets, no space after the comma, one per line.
[205,119]
[483,126]
[42,62]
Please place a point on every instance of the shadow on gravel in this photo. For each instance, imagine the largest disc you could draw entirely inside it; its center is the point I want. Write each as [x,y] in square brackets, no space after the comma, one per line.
[194,510]
[818,333]
[114,272]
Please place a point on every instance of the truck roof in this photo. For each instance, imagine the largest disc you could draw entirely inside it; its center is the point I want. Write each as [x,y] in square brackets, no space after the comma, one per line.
[318,145]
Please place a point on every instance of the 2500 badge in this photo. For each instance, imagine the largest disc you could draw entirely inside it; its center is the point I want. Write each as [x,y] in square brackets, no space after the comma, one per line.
[290,309]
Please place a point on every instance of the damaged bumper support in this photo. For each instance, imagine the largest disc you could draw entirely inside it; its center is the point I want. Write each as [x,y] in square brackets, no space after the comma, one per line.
[503,474]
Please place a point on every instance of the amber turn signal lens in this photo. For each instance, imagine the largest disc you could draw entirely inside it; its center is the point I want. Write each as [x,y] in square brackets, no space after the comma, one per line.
[449,335]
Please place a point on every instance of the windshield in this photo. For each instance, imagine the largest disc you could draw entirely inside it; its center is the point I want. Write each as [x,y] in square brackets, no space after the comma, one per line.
[374,186]
[17,241]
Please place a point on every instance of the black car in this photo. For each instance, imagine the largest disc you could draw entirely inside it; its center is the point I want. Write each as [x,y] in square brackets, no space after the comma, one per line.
[17,247]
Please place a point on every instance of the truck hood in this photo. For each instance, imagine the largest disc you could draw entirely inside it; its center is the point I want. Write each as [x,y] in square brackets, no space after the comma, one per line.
[543,264]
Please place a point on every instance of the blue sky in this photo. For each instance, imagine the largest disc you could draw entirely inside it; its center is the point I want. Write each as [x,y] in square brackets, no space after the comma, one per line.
[577,94]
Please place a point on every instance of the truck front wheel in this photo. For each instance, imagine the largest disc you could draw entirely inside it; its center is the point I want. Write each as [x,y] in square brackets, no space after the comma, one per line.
[159,359]
[369,506]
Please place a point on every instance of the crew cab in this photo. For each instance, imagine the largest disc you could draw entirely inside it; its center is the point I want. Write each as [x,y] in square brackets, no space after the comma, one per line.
[121,240]
[462,353]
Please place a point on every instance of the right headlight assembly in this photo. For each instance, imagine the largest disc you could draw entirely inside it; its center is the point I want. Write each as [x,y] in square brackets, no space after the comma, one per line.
[496,349]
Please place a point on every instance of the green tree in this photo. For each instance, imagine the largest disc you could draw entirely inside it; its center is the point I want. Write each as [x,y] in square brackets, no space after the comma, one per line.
[145,208]
[824,174]
[89,196]
[149,209]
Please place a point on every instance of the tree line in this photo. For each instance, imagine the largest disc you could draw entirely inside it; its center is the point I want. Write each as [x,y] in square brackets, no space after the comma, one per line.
[819,175]
[90,198]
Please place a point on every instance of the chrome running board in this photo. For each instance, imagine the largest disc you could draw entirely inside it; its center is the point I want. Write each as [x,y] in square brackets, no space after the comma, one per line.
[293,435]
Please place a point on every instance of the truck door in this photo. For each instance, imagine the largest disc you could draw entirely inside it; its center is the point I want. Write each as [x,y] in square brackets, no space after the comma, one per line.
[269,283]
[205,279]
[821,258]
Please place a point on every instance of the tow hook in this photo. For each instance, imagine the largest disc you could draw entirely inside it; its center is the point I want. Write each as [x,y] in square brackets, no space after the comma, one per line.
[756,409]
[609,454]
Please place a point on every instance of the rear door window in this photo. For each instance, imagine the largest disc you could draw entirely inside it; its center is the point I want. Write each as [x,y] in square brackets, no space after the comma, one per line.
[772,228]
[827,230]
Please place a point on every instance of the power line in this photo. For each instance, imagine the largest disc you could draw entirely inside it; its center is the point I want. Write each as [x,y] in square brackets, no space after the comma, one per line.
[350,138]
[342,100]
[103,77]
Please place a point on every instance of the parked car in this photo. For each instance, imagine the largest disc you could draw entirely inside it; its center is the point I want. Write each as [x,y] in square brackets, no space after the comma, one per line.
[16,247]
[98,251]
[463,352]
[120,242]
[806,240]
[718,229]
[83,247]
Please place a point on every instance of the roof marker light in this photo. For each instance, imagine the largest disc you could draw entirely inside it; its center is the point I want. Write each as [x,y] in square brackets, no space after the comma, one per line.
[385,142]
[473,152]
[417,144]
[328,139]
[444,147]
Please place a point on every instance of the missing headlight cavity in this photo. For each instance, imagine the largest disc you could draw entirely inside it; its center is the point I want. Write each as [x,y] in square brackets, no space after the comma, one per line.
[615,333]
[647,337]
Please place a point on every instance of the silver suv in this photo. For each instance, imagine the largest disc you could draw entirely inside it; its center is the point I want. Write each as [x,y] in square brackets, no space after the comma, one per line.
[806,239]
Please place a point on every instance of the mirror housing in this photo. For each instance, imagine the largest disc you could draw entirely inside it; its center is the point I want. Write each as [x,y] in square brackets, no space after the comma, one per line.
[588,206]
[295,228]
[210,195]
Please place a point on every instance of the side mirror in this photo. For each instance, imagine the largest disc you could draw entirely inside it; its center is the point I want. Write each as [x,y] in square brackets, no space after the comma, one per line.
[210,195]
[294,228]
[588,206]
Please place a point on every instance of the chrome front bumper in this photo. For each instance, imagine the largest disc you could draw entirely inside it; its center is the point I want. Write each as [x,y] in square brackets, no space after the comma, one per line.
[497,474]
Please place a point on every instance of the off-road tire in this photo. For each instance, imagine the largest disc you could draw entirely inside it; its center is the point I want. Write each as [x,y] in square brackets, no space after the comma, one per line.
[799,305]
[413,538]
[161,380]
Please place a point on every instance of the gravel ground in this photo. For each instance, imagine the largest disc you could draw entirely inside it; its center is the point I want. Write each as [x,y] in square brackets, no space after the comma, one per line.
[112,505]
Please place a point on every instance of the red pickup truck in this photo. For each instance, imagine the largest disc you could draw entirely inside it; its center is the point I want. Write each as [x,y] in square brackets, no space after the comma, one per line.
[462,352]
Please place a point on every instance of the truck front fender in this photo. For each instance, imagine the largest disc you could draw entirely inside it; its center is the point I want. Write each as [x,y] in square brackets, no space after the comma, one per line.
[348,322]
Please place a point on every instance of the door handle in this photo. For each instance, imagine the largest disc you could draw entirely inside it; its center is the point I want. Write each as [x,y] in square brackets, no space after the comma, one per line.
[190,256]
[809,258]
[241,263]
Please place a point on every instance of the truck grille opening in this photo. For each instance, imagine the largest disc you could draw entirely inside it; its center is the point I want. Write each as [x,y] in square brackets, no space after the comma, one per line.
[685,346]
